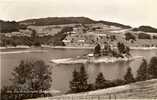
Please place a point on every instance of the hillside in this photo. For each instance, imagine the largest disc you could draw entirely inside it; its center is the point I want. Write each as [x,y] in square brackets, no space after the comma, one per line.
[68,20]
[146,29]
[57,21]
[114,24]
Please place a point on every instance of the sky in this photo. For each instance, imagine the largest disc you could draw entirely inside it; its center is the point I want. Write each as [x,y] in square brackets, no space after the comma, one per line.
[129,12]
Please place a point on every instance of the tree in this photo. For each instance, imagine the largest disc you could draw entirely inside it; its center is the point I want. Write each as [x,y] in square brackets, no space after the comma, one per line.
[31,76]
[142,71]
[127,50]
[154,36]
[113,37]
[129,36]
[100,81]
[83,85]
[97,49]
[79,82]
[74,84]
[121,47]
[129,76]
[67,29]
[144,36]
[152,70]
[41,76]
[57,39]
[35,38]
[147,29]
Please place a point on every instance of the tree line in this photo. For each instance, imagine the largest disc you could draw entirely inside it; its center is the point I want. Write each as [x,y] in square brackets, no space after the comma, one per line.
[133,37]
[79,83]
[122,50]
[35,40]
[10,26]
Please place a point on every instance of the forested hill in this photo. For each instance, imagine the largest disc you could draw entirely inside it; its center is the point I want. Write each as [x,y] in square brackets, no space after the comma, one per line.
[58,21]
[114,24]
[68,20]
[10,26]
[146,29]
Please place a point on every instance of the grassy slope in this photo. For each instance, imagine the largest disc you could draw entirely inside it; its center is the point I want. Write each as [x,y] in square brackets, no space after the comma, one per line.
[138,90]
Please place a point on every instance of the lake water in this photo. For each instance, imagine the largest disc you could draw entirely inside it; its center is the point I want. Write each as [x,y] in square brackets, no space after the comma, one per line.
[62,73]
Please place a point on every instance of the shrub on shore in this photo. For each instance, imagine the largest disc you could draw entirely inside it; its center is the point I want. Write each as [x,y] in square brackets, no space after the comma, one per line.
[129,78]
[100,81]
[142,71]
[152,67]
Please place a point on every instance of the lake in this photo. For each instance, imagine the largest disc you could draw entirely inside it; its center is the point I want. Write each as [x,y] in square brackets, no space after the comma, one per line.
[62,73]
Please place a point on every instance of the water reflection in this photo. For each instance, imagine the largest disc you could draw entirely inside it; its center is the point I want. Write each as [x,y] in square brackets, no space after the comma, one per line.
[111,71]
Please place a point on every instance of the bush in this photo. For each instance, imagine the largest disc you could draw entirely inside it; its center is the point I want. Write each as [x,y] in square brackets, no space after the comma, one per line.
[129,36]
[144,36]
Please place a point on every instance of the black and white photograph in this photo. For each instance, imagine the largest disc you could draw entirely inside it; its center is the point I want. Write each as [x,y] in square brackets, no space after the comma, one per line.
[78,49]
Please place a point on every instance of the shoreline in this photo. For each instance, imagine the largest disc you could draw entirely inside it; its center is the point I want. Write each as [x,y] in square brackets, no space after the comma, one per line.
[70,47]
[121,92]
[100,60]
[22,51]
[39,49]
[128,91]
[55,47]
[143,48]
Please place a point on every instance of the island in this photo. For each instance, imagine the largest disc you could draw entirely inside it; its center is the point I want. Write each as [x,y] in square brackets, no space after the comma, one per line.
[104,53]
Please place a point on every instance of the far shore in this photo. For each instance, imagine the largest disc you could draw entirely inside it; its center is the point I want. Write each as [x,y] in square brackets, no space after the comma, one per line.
[71,47]
[59,47]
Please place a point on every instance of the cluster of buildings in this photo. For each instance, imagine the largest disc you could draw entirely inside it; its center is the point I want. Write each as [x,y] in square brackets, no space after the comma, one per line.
[91,34]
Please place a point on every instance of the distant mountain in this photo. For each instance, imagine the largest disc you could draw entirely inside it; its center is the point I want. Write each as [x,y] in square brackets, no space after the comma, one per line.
[114,24]
[68,20]
[146,29]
